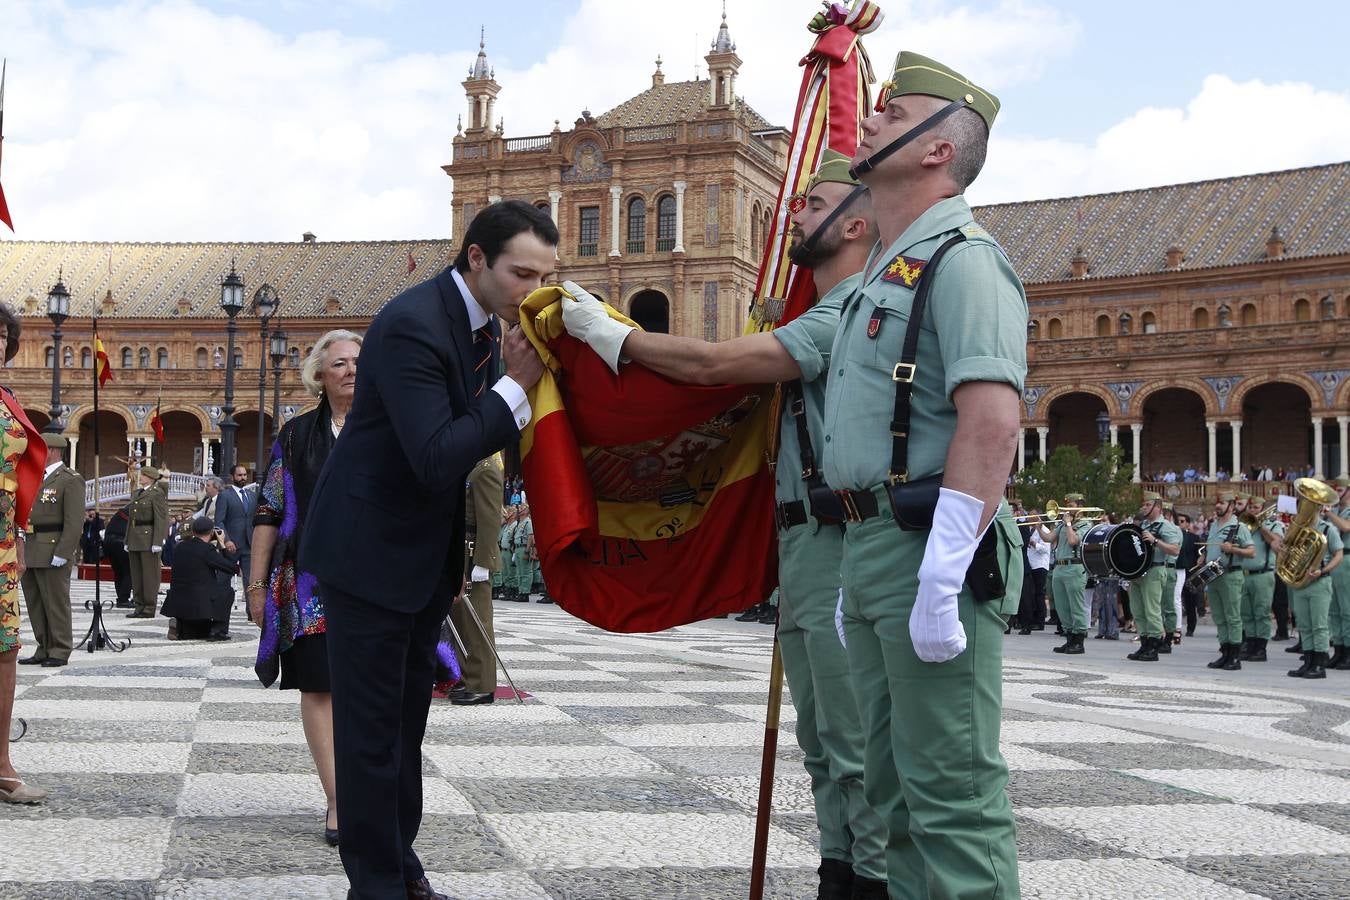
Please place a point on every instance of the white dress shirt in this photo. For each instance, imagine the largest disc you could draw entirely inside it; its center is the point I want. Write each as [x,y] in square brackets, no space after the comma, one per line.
[506,386]
[1038,551]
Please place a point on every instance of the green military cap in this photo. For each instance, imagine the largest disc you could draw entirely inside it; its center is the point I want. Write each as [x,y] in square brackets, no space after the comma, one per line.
[915,74]
[1341,481]
[1243,495]
[1150,496]
[1074,496]
[55,441]
[1227,496]
[1167,505]
[833,167]
[151,472]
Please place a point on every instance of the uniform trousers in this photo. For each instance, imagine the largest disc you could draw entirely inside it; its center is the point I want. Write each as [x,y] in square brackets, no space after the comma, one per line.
[829,728]
[1225,604]
[524,569]
[1171,599]
[1067,583]
[145,572]
[1146,602]
[1258,592]
[1338,618]
[46,593]
[479,668]
[1312,605]
[932,766]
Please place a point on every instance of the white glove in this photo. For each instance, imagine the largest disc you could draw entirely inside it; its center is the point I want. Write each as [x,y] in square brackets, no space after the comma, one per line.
[839,618]
[585,319]
[934,623]
[58,561]
[156,549]
[479,574]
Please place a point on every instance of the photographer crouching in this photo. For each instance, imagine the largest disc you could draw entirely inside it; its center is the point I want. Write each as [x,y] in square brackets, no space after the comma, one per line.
[200,596]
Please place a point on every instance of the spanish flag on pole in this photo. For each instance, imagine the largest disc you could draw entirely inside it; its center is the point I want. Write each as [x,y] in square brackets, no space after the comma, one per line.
[101,364]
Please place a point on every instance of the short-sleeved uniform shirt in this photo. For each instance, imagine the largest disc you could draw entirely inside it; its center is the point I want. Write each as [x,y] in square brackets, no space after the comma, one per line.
[1064,551]
[974,329]
[1218,533]
[1168,533]
[808,339]
[1344,513]
[1265,554]
[1334,542]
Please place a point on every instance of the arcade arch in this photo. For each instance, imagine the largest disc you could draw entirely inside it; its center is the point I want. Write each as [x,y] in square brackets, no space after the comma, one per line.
[650,309]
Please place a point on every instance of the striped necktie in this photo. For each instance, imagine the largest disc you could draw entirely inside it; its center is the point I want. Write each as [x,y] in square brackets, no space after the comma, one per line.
[482,357]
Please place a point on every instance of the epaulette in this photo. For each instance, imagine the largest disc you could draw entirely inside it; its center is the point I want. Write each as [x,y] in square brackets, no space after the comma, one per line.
[971,230]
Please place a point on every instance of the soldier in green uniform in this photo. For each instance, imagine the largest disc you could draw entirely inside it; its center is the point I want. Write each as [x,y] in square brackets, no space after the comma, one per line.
[1229,542]
[522,542]
[483,514]
[147,527]
[1068,580]
[1312,603]
[1171,597]
[54,529]
[1258,580]
[1146,592]
[505,579]
[1339,618]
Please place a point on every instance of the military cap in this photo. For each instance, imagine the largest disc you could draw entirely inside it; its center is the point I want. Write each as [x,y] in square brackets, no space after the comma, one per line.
[1167,505]
[1150,496]
[1073,496]
[1227,496]
[1243,495]
[151,472]
[833,167]
[55,441]
[1341,481]
[915,74]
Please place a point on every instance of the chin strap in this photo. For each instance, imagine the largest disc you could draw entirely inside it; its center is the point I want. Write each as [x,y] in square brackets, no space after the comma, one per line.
[802,251]
[872,161]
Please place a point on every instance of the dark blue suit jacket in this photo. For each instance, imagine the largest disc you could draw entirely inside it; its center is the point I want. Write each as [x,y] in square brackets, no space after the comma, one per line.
[386,522]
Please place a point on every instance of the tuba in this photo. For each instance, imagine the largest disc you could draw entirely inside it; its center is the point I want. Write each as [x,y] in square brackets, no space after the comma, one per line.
[1304,545]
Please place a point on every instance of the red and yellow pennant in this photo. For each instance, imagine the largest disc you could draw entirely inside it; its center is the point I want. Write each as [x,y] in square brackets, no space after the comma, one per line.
[102,367]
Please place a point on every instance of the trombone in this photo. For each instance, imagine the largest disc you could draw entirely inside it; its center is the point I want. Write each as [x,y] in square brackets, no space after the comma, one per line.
[1053,512]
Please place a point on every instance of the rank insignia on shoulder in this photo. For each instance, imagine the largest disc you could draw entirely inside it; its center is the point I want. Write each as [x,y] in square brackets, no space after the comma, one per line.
[904,270]
[973,231]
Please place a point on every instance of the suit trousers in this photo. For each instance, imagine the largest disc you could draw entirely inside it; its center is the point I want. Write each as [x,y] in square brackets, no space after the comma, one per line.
[145,572]
[480,668]
[46,593]
[120,565]
[382,664]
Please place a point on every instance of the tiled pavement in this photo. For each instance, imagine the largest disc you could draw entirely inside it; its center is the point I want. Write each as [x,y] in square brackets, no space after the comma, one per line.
[632,772]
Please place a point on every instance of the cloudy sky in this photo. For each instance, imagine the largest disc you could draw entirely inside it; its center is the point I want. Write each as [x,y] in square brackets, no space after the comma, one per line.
[260,119]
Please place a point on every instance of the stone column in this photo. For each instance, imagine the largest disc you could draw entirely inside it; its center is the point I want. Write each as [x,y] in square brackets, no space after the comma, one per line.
[614,193]
[555,198]
[1135,430]
[1344,423]
[1317,446]
[206,455]
[150,448]
[1043,435]
[74,445]
[1212,428]
[679,216]
[1115,435]
[1236,426]
[1021,449]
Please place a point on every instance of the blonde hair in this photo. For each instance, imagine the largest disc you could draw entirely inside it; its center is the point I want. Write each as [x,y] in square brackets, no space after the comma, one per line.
[309,372]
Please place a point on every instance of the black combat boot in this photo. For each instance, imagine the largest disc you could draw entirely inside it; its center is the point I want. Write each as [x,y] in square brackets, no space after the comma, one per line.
[1296,647]
[1076,642]
[1163,644]
[1245,649]
[868,888]
[1337,656]
[836,880]
[752,614]
[1222,660]
[1319,665]
[1258,653]
[1147,651]
[1303,670]
[1343,665]
[1233,663]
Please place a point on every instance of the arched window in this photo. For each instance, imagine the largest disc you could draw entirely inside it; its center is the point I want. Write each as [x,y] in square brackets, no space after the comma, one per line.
[1056,328]
[637,225]
[1103,326]
[1149,323]
[756,244]
[238,357]
[86,358]
[1200,318]
[665,224]
[49,357]
[202,360]
[126,357]
[1347,306]
[766,228]
[143,358]
[1302,310]
[1249,314]
[162,358]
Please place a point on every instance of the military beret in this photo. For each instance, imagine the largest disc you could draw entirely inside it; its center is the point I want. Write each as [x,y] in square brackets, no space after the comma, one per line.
[915,74]
[834,167]
[151,472]
[55,441]
[1074,496]
[1227,496]
[1150,496]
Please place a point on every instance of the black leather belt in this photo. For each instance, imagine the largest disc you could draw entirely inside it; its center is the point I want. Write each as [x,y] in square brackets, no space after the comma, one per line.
[42,528]
[790,515]
[143,522]
[1232,569]
[1258,571]
[859,506]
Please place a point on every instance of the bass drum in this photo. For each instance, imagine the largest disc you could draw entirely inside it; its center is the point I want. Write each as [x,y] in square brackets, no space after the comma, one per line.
[1115,551]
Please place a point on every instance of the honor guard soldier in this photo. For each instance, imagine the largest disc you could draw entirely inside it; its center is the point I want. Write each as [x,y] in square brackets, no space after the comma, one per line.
[506,578]
[1171,594]
[1258,580]
[54,529]
[1146,592]
[1339,617]
[147,527]
[524,563]
[483,513]
[1311,603]
[1230,543]
[1068,580]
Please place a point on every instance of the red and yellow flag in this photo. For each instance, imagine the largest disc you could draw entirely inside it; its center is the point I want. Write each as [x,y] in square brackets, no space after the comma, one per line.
[101,365]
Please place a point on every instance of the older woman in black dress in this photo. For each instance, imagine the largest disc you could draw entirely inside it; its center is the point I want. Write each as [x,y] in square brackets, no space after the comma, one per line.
[283,600]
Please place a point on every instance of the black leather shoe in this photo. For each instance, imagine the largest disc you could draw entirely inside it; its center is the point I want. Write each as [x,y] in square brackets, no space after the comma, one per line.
[752,614]
[137,614]
[122,604]
[52,662]
[34,660]
[472,699]
[544,598]
[1296,647]
[421,889]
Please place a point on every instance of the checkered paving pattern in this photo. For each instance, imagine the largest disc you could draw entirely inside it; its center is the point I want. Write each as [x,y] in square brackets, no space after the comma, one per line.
[632,772]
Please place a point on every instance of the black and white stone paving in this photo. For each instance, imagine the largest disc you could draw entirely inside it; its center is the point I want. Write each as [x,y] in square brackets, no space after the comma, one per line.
[632,772]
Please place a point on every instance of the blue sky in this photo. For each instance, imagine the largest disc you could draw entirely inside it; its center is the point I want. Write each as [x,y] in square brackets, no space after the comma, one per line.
[258,119]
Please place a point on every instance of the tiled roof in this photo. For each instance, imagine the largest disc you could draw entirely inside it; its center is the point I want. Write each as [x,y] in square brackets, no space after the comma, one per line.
[149,279]
[663,104]
[1222,222]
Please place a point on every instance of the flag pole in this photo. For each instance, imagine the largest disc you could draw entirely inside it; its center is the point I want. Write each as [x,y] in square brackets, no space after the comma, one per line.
[767,761]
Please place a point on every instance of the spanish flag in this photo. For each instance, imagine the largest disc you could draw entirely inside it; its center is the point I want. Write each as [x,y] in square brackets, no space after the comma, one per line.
[101,364]
[651,500]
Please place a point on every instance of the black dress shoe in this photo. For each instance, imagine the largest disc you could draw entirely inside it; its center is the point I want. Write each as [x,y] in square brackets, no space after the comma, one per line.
[472,699]
[137,614]
[421,889]
[544,598]
[34,660]
[122,604]
[752,614]
[52,662]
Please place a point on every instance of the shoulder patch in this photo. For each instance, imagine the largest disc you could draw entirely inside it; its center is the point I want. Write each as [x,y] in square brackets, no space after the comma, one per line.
[904,270]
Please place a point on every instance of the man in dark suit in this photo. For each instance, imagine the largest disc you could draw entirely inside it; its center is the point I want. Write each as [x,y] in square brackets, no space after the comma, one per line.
[377,536]
[243,490]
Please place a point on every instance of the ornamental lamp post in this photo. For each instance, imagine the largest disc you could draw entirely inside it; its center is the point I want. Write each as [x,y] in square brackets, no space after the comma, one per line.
[265,303]
[58,310]
[231,300]
[1103,427]
[278,353]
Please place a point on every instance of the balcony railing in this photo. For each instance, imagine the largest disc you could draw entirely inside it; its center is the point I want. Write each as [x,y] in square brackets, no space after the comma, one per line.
[118,487]
[665,245]
[588,249]
[534,144]
[637,246]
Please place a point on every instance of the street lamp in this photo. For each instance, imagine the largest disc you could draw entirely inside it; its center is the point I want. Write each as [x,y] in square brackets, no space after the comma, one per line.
[1103,427]
[58,310]
[278,353]
[265,303]
[231,300]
